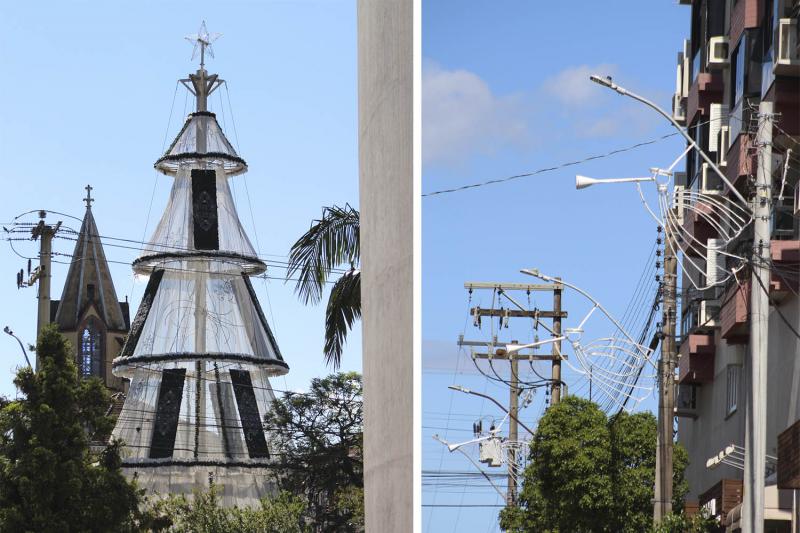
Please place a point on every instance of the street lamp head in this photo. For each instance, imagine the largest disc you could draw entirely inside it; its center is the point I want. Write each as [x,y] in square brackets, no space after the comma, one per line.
[8,330]
[607,82]
[536,274]
[581,182]
[459,388]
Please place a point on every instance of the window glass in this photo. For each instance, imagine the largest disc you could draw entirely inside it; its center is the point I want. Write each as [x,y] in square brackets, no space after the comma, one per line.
[733,388]
[91,349]
[737,74]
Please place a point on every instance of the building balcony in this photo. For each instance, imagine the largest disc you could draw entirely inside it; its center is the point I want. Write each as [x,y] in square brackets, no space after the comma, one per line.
[696,363]
[699,221]
[784,279]
[783,94]
[722,498]
[788,467]
[706,89]
[741,160]
[733,316]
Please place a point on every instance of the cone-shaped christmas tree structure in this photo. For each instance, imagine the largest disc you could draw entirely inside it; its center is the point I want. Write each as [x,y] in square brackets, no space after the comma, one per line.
[200,351]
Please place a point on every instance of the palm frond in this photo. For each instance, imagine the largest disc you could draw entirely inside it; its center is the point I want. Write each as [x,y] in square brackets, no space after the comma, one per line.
[344,308]
[331,241]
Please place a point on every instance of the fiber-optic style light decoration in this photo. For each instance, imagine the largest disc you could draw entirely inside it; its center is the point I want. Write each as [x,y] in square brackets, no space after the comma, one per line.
[706,261]
[200,352]
[618,366]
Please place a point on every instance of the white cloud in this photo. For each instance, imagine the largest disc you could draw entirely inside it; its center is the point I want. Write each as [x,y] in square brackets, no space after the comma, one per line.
[461,115]
[572,87]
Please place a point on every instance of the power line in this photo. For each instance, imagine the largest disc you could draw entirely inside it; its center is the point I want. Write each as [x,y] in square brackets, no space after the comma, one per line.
[550,169]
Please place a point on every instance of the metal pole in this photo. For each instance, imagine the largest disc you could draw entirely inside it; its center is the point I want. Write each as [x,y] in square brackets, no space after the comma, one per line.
[556,371]
[606,82]
[666,374]
[511,496]
[756,414]
[22,346]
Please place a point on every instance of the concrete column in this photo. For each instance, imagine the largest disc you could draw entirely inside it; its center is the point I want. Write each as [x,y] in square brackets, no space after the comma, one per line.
[385,132]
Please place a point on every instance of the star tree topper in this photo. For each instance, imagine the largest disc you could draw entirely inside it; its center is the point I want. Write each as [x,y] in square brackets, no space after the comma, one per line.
[202,40]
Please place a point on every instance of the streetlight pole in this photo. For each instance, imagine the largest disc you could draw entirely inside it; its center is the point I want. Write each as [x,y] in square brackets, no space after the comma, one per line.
[22,346]
[465,390]
[755,414]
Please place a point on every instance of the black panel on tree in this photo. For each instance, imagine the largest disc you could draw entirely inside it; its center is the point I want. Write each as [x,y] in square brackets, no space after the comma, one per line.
[167,411]
[204,209]
[248,413]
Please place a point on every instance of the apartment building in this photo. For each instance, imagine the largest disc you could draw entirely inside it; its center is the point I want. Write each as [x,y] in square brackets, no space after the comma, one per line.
[739,53]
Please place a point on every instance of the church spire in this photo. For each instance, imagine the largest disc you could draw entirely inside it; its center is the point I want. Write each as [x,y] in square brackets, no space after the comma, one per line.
[89,281]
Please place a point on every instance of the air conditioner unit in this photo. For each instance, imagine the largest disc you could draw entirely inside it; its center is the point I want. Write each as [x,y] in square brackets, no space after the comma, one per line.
[717,117]
[678,109]
[713,247]
[679,200]
[787,54]
[724,145]
[717,52]
[709,314]
[709,181]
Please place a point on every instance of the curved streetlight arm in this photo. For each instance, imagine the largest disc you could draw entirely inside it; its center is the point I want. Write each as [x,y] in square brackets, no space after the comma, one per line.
[465,390]
[22,346]
[535,272]
[607,82]
[471,460]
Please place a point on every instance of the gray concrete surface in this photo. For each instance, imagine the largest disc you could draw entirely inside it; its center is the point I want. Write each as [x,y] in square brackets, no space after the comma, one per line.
[385,108]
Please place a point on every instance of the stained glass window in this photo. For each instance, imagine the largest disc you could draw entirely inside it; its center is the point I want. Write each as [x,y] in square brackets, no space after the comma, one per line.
[90,357]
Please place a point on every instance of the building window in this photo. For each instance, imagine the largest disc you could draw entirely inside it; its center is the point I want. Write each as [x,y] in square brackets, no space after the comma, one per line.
[734,371]
[91,349]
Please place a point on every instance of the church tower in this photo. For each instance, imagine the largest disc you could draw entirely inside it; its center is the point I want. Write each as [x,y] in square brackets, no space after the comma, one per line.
[88,313]
[200,352]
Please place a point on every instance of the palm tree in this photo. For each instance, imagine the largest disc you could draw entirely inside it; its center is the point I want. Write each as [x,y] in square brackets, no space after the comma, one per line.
[332,241]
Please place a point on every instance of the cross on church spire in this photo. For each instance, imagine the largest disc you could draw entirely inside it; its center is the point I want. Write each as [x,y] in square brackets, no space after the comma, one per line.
[88,198]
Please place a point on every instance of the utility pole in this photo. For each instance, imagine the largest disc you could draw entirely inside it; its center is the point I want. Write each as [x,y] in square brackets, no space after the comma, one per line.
[556,371]
[666,375]
[756,411]
[510,352]
[45,234]
[513,408]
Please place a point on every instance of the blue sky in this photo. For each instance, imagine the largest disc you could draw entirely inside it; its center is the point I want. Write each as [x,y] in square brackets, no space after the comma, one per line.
[88,88]
[506,91]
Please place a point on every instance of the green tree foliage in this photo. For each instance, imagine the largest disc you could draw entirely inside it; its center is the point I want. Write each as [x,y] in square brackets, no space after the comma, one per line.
[680,523]
[48,480]
[332,241]
[589,473]
[320,435]
[203,514]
